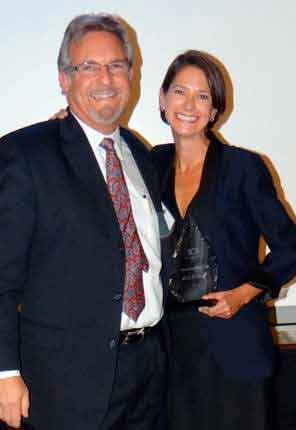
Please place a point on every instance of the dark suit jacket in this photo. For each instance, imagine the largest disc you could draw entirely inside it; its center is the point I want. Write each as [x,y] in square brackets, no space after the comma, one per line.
[62,258]
[237,203]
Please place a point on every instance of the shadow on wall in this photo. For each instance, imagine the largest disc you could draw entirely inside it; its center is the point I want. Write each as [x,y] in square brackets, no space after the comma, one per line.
[136,82]
[267,161]
[136,78]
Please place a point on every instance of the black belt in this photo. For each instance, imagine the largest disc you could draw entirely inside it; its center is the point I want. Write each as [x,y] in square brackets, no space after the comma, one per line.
[136,335]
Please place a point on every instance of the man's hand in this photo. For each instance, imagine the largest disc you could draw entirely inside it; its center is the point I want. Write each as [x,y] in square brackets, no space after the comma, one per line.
[14,400]
[228,303]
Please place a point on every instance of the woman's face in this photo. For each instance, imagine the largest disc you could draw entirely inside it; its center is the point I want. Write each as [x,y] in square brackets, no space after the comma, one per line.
[188,103]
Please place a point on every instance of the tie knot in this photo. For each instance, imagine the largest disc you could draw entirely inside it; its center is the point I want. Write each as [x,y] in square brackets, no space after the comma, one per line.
[107,144]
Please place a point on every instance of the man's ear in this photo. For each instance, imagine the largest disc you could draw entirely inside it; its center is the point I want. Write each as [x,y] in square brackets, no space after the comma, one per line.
[131,74]
[161,100]
[65,81]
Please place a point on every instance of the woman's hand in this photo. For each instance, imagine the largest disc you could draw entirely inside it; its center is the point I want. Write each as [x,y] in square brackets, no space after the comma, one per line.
[228,303]
[61,114]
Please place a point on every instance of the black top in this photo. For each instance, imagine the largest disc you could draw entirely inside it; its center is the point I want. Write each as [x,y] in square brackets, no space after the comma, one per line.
[194,268]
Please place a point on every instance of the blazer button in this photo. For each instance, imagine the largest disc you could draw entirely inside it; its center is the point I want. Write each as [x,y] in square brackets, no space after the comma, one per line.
[117,297]
[112,344]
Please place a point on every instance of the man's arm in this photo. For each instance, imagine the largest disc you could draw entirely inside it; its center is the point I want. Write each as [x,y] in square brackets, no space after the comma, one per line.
[16,227]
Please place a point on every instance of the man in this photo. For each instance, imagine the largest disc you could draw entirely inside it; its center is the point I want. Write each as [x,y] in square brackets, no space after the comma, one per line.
[80,253]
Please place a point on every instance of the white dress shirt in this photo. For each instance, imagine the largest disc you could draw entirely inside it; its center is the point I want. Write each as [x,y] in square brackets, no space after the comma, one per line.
[146,220]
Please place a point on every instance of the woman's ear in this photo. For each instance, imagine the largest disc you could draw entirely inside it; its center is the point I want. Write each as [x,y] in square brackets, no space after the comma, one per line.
[213,114]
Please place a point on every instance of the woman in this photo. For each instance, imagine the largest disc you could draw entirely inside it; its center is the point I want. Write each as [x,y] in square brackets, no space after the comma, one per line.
[221,345]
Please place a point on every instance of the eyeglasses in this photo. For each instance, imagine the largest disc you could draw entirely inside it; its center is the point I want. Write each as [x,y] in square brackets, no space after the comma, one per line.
[91,68]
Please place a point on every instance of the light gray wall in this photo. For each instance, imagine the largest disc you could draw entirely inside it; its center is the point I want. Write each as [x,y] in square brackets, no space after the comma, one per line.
[254,40]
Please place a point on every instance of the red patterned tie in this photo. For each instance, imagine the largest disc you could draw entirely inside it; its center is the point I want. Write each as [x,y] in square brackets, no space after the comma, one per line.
[135,259]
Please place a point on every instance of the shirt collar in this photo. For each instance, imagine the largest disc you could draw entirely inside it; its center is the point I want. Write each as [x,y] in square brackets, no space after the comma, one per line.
[95,137]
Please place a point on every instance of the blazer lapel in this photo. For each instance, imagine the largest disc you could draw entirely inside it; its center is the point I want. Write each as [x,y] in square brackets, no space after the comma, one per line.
[79,154]
[203,204]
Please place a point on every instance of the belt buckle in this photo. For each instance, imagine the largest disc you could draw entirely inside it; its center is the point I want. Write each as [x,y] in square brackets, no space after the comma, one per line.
[140,334]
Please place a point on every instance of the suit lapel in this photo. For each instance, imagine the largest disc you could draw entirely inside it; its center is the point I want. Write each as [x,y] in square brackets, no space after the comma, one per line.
[79,154]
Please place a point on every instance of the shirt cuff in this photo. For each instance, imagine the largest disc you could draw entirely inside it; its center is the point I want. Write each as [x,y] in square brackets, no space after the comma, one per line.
[9,373]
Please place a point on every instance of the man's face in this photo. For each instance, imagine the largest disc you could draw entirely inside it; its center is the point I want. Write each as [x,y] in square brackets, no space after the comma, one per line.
[98,99]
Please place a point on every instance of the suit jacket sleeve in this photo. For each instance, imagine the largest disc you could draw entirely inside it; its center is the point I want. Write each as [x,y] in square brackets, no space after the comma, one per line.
[16,227]
[278,230]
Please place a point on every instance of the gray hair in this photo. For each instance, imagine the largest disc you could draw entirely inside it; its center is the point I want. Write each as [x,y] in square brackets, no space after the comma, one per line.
[83,24]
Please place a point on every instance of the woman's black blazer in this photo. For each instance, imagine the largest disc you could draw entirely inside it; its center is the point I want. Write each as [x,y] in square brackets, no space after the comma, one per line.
[237,204]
